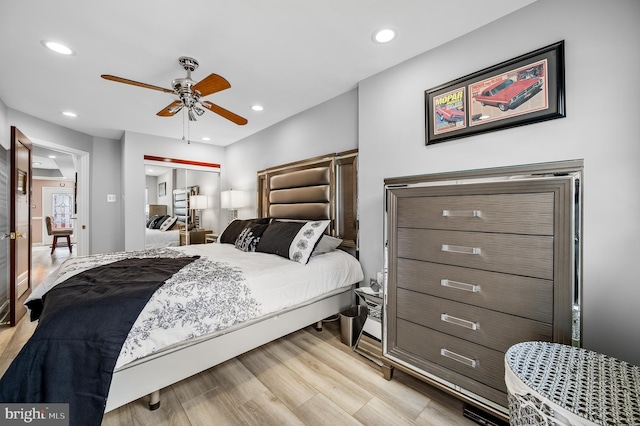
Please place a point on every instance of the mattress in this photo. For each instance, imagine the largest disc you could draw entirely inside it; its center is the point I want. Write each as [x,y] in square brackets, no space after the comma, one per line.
[223,288]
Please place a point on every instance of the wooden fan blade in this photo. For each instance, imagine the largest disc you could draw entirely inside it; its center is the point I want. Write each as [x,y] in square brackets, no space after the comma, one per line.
[225,113]
[171,109]
[211,84]
[134,83]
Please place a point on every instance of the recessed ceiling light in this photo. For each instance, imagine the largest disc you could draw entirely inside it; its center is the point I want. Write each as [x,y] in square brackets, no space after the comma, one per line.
[36,163]
[384,35]
[69,114]
[206,138]
[52,156]
[58,48]
[257,107]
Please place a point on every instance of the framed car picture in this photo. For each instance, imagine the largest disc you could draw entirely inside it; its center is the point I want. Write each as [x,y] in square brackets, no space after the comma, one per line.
[524,90]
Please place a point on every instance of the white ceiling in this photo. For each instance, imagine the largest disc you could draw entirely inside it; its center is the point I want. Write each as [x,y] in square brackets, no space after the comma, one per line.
[287,55]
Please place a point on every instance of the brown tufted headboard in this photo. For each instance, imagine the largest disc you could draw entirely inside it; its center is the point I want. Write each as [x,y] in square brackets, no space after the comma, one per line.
[318,188]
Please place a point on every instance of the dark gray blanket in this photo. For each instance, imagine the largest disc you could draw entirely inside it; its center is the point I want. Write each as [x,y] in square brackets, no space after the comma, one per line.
[84,322]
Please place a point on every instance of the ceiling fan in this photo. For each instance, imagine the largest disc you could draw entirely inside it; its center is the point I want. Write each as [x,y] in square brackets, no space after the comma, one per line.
[189,93]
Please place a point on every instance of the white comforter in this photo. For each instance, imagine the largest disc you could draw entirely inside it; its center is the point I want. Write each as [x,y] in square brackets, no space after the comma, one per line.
[224,287]
[155,238]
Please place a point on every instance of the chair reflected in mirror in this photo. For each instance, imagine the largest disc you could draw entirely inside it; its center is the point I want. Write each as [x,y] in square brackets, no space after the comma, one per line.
[57,233]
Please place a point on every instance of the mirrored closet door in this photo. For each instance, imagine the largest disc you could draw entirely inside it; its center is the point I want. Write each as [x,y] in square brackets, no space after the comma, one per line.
[182,203]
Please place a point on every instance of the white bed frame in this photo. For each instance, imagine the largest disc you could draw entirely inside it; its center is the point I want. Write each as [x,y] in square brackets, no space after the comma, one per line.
[156,372]
[150,374]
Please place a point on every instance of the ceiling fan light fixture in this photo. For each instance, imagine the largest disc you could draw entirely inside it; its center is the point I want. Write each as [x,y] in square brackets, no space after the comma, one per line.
[58,48]
[175,108]
[384,35]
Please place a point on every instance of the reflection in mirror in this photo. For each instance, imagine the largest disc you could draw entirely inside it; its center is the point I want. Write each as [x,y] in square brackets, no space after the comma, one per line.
[182,204]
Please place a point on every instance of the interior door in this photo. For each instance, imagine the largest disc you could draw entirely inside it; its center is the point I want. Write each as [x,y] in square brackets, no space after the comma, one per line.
[20,225]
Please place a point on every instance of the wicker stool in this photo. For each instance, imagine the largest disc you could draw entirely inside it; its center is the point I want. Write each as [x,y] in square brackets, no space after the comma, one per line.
[554,384]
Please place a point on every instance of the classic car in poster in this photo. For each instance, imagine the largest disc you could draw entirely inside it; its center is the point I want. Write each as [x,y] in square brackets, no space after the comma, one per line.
[524,90]
[449,111]
[509,94]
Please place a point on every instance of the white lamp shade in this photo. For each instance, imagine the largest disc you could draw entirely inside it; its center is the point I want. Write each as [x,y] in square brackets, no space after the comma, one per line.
[232,199]
[198,202]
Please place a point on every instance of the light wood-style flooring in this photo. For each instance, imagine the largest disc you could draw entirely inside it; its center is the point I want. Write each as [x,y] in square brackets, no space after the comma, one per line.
[305,378]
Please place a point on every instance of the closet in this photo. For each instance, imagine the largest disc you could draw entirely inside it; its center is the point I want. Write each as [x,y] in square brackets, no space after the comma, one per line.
[477,261]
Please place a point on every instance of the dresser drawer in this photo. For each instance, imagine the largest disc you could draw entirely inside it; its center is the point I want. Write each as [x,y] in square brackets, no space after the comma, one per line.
[528,255]
[513,294]
[495,330]
[477,362]
[528,213]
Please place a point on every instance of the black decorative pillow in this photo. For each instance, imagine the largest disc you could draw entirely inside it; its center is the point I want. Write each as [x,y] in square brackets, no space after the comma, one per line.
[158,223]
[231,232]
[293,240]
[168,223]
[151,221]
[250,236]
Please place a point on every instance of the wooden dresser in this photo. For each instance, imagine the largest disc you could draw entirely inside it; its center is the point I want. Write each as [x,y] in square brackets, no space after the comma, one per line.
[478,261]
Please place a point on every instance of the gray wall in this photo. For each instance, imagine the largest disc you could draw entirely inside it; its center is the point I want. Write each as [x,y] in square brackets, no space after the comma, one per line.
[5,133]
[329,127]
[134,147]
[602,59]
[107,232]
[104,176]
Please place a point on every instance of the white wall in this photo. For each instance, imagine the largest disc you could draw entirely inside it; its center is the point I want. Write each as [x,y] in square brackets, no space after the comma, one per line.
[134,147]
[323,129]
[602,60]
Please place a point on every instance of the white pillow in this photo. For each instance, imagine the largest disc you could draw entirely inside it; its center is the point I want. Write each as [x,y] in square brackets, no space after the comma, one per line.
[326,244]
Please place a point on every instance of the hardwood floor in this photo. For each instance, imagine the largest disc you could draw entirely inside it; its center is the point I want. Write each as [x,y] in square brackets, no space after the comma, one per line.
[305,378]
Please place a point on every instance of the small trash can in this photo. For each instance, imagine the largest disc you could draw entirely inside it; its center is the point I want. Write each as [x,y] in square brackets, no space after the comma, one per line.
[351,322]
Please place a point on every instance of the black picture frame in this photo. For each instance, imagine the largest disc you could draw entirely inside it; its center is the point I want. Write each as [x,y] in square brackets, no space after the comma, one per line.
[485,101]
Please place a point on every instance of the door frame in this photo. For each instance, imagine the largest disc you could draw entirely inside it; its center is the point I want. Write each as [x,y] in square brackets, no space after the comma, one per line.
[83,193]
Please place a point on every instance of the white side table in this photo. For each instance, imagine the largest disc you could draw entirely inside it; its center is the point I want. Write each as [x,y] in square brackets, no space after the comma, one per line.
[554,384]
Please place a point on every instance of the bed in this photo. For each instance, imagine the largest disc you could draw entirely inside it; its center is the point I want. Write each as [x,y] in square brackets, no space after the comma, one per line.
[318,197]
[157,237]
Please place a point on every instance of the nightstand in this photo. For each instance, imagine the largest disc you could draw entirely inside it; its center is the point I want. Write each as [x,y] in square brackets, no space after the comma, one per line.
[369,343]
[195,236]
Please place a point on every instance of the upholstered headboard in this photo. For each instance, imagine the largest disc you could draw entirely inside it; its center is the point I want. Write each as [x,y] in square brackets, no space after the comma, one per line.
[157,210]
[314,189]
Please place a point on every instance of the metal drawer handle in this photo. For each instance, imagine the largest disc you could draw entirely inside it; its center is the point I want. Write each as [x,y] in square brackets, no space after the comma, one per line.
[462,213]
[457,357]
[460,249]
[475,288]
[459,321]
